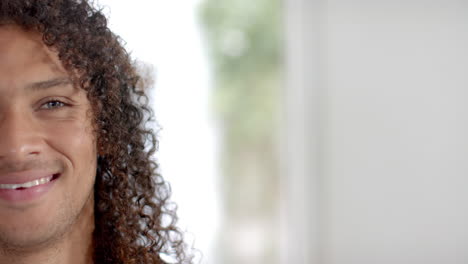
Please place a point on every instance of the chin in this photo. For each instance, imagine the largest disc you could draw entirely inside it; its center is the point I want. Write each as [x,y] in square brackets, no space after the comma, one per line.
[33,227]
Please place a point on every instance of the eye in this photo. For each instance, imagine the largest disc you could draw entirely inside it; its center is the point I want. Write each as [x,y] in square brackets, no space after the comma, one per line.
[53,104]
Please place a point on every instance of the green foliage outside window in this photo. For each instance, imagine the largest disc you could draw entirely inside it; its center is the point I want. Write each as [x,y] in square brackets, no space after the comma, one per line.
[244,39]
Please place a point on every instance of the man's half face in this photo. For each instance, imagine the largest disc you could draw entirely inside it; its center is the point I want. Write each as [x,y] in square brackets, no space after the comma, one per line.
[47,146]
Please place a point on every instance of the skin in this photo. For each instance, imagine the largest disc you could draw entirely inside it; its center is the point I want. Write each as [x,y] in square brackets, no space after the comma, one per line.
[48,127]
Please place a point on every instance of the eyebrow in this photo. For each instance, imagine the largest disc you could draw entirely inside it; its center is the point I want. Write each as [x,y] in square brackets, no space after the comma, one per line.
[43,85]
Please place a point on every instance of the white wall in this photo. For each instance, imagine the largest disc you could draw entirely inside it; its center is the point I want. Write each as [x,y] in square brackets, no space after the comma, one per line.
[391,131]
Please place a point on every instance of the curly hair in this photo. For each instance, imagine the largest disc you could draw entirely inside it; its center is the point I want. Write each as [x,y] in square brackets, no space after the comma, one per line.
[134,220]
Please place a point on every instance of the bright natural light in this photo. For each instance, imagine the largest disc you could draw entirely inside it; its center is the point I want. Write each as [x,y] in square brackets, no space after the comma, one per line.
[165,35]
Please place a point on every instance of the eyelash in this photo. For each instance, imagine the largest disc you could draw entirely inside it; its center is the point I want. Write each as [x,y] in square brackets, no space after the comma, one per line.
[47,106]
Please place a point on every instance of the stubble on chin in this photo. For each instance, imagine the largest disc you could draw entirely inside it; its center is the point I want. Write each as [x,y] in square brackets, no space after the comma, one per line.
[67,229]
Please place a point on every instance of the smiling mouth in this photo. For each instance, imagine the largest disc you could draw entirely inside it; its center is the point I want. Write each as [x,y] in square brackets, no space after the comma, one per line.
[26,185]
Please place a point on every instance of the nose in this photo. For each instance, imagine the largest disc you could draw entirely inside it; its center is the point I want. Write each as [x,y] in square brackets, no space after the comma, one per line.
[19,137]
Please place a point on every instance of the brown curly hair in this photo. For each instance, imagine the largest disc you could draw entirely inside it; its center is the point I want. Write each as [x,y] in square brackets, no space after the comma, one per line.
[135,221]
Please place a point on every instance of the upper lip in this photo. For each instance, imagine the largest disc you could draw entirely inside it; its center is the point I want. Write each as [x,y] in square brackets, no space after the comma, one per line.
[24,176]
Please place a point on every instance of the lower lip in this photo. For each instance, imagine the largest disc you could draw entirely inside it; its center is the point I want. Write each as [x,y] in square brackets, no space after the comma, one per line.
[27,194]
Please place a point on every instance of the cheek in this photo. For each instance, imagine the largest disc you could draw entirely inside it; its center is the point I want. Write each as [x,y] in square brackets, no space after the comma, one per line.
[75,142]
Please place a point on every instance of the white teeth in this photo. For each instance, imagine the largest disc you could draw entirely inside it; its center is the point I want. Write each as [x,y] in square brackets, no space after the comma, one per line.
[26,184]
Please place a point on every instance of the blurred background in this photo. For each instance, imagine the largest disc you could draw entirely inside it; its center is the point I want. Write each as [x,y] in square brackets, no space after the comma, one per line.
[310,131]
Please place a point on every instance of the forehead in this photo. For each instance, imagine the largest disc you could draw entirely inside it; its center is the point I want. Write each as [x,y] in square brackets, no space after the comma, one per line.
[24,57]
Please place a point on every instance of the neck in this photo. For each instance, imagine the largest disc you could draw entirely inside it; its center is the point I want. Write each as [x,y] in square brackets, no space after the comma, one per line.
[75,247]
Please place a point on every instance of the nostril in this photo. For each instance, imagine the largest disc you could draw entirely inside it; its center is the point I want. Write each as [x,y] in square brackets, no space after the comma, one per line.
[17,150]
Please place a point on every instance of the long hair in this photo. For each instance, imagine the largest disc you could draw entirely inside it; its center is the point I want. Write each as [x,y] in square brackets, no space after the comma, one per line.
[134,220]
